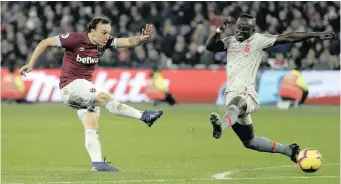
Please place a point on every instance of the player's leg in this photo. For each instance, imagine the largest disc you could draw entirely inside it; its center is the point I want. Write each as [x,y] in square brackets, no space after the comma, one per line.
[235,107]
[245,131]
[120,109]
[92,142]
[79,94]
[90,121]
[82,94]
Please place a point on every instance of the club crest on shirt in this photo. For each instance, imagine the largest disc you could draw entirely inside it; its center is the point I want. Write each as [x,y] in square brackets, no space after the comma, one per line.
[65,35]
[100,48]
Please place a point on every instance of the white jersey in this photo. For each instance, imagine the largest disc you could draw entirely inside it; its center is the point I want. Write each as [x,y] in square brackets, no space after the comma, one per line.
[243,60]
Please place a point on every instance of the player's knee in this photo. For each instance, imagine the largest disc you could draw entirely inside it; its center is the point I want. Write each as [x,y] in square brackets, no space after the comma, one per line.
[114,106]
[90,121]
[233,107]
[244,132]
[102,99]
[234,101]
[250,144]
[240,103]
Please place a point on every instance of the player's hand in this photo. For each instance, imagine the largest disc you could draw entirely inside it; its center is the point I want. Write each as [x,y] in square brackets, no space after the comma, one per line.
[225,22]
[328,35]
[26,69]
[147,32]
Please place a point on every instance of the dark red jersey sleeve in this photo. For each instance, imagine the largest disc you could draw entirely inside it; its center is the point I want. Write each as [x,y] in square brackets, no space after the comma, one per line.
[68,40]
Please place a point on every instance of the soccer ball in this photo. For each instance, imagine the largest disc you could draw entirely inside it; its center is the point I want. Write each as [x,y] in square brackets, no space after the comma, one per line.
[309,160]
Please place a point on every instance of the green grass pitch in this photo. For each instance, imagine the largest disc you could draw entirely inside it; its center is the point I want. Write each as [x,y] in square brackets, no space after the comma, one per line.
[44,143]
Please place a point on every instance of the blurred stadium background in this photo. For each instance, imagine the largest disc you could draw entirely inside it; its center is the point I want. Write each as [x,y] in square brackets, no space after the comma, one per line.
[177,47]
[182,28]
[192,74]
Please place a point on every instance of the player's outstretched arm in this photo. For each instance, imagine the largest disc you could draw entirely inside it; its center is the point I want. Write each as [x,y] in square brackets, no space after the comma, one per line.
[48,42]
[213,43]
[135,41]
[294,37]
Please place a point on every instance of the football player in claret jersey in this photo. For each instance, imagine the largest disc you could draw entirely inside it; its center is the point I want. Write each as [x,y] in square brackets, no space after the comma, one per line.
[244,54]
[82,53]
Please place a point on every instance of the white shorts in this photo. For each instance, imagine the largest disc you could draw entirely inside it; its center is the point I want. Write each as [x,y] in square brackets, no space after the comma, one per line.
[80,94]
[251,102]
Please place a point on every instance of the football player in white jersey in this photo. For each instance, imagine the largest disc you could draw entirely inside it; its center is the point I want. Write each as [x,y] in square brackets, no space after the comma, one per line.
[244,54]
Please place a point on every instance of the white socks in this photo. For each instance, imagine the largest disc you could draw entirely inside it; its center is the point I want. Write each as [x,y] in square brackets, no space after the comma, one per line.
[121,109]
[92,145]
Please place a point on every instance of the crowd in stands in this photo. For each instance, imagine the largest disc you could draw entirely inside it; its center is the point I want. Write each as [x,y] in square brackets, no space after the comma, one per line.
[181,30]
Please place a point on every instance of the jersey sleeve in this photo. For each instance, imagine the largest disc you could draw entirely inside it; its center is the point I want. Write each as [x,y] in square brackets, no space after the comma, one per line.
[266,40]
[226,41]
[68,40]
[114,43]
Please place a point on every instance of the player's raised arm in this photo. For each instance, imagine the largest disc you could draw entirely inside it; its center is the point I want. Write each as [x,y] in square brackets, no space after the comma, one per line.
[214,43]
[135,41]
[48,42]
[294,37]
[67,40]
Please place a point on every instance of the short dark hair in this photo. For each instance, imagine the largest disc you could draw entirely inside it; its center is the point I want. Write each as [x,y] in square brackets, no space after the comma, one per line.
[98,20]
[245,15]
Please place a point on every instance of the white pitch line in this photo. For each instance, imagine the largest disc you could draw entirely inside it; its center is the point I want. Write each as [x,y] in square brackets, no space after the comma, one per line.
[284,177]
[225,175]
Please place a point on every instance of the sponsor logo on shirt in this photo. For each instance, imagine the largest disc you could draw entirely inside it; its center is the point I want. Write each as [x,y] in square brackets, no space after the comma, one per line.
[240,48]
[87,60]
